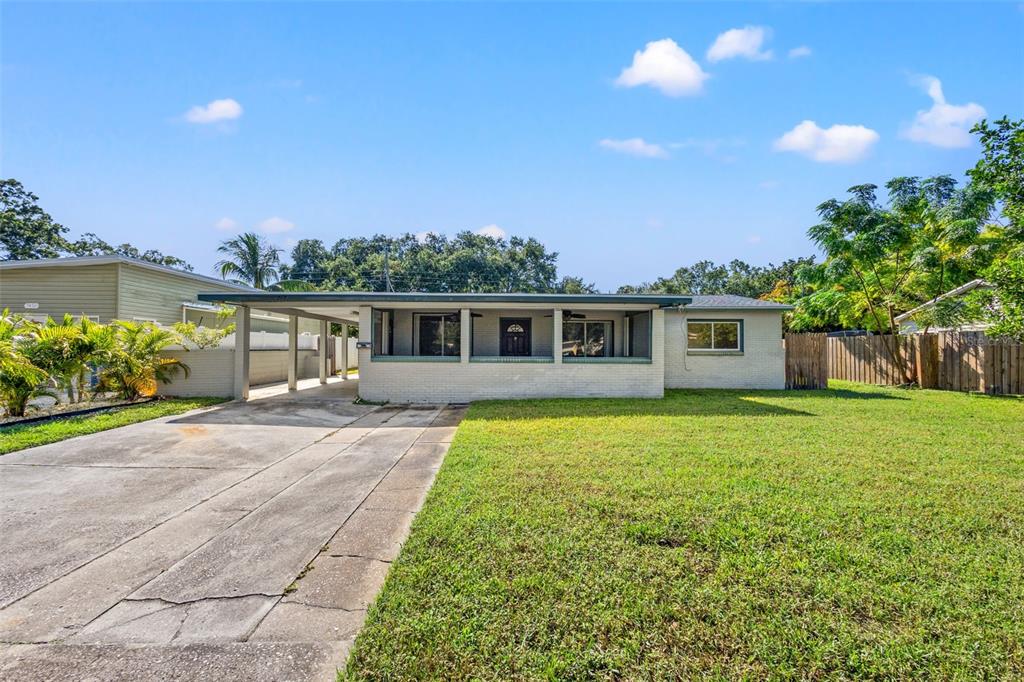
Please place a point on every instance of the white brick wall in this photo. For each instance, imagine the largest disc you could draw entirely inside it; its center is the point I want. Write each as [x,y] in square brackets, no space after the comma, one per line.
[762,364]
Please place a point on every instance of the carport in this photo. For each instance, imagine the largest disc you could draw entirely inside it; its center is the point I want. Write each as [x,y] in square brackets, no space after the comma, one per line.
[325,311]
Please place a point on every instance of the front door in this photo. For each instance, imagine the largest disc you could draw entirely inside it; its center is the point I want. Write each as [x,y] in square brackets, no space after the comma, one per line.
[515,336]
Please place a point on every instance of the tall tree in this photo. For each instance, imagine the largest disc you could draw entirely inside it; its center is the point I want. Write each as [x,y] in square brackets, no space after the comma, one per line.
[737,278]
[26,230]
[250,259]
[432,262]
[1001,168]
[869,250]
[91,245]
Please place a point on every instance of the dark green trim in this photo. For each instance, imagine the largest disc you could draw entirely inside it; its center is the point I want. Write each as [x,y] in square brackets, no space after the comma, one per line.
[415,358]
[620,360]
[709,351]
[511,359]
[375,297]
[716,351]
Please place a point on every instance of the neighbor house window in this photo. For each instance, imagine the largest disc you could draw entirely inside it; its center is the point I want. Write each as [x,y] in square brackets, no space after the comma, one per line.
[716,335]
[439,334]
[591,339]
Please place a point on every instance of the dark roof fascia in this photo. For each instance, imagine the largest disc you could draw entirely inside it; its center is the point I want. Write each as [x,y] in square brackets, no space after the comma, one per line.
[298,298]
[778,308]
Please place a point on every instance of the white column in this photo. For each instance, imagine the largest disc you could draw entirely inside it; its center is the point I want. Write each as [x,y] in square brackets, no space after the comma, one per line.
[343,353]
[293,352]
[556,336]
[465,335]
[325,336]
[241,378]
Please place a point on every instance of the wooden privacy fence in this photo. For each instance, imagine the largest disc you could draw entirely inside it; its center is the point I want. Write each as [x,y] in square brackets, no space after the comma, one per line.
[806,361]
[950,361]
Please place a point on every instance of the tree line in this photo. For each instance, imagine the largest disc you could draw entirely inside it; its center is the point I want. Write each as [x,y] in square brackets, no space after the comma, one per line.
[883,256]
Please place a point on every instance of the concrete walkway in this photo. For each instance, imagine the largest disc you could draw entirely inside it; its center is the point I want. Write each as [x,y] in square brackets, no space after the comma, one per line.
[241,542]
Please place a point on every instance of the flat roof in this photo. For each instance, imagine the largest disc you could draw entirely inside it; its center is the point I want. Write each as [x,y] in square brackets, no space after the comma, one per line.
[326,297]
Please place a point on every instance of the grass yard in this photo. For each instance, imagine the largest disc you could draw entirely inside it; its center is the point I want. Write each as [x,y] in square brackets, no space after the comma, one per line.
[19,437]
[851,533]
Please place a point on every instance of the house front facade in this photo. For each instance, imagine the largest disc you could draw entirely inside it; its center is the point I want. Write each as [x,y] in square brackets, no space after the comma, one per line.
[427,347]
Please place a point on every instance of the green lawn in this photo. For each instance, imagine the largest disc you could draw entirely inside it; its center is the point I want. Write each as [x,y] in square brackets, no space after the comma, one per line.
[851,533]
[29,435]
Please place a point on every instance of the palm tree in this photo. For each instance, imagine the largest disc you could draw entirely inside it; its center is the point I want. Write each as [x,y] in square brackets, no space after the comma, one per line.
[20,380]
[135,365]
[250,259]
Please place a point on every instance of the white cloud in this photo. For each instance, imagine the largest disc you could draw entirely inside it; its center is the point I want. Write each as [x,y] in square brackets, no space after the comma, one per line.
[276,225]
[801,51]
[492,231]
[769,184]
[944,125]
[664,65]
[635,146]
[422,237]
[837,144]
[226,224]
[754,239]
[217,110]
[746,42]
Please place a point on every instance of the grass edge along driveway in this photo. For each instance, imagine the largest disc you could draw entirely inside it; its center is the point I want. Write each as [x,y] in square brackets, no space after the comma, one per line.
[20,436]
[855,532]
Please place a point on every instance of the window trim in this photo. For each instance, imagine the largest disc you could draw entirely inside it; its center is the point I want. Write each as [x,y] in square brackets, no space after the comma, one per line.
[741,337]
[609,342]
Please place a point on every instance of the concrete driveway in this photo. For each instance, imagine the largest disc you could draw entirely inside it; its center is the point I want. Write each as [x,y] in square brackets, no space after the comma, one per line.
[240,542]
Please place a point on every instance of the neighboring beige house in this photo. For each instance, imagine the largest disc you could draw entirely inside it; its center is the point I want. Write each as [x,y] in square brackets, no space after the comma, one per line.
[432,347]
[106,288]
[909,321]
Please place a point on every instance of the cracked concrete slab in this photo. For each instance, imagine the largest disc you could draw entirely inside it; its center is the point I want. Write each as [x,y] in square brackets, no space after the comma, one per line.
[55,519]
[158,622]
[166,569]
[294,622]
[374,534]
[61,607]
[264,551]
[348,583]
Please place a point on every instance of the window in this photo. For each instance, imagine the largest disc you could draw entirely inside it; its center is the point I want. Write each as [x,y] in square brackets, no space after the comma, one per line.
[439,334]
[714,335]
[591,339]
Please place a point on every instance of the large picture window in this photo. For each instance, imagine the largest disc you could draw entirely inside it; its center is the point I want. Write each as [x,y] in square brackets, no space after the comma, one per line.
[590,339]
[714,335]
[439,334]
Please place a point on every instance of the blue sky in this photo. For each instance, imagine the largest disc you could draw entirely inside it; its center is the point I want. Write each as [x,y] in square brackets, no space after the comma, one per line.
[614,133]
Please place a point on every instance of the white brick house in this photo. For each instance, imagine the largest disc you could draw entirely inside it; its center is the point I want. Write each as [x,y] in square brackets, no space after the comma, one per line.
[429,347]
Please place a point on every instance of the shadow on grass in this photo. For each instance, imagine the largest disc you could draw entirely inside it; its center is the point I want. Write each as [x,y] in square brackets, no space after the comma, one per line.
[677,402]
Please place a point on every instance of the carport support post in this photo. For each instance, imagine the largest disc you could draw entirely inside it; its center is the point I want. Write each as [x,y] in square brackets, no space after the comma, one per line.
[324,357]
[343,354]
[241,383]
[465,335]
[293,352]
[556,336]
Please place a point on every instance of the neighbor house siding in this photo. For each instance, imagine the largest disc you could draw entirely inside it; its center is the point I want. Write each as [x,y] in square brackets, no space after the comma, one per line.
[86,290]
[760,365]
[150,295]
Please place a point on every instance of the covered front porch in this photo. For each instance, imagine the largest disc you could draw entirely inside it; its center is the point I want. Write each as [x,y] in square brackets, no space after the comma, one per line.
[454,348]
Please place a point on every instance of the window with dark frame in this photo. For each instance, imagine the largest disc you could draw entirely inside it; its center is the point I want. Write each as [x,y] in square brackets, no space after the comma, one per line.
[587,338]
[711,335]
[439,334]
